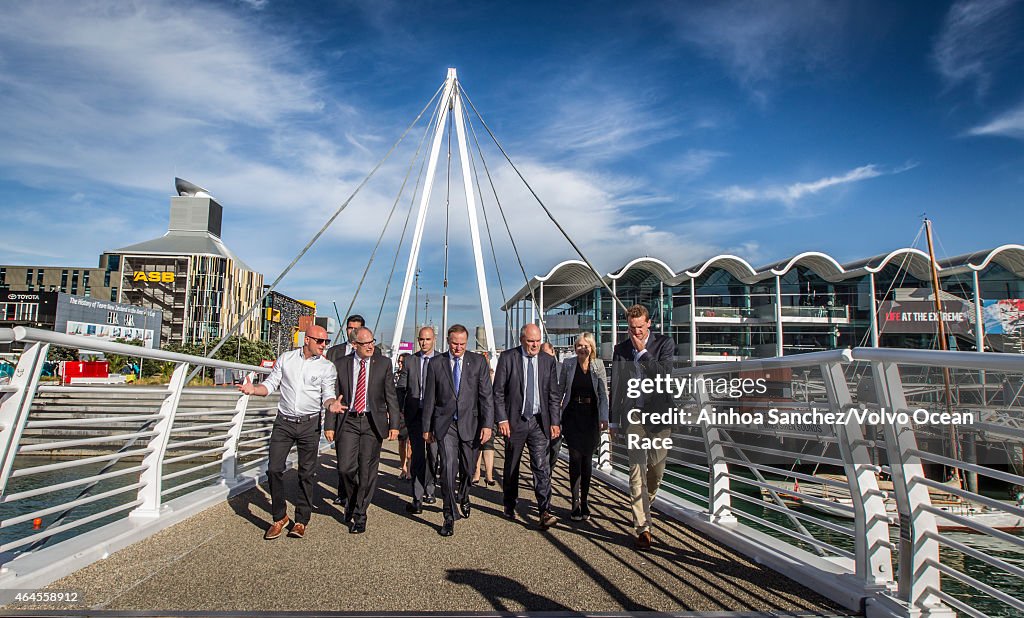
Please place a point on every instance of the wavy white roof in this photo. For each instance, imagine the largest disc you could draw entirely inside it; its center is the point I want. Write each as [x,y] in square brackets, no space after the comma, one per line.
[572,277]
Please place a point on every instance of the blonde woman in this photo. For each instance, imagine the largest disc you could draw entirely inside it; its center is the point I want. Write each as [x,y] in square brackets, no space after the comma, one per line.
[584,399]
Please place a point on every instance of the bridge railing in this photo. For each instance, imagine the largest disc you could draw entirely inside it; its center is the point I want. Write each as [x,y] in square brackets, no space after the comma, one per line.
[105,453]
[848,498]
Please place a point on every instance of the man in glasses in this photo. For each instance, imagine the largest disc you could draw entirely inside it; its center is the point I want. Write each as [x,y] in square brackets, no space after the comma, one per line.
[424,456]
[306,381]
[458,415]
[358,426]
[352,324]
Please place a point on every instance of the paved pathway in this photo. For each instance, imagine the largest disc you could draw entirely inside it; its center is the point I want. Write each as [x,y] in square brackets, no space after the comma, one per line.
[217,561]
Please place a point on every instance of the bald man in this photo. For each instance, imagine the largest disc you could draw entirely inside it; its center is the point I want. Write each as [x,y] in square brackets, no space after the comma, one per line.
[528,412]
[306,381]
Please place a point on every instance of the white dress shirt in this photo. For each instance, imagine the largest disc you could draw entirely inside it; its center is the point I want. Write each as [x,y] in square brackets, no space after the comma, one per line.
[304,383]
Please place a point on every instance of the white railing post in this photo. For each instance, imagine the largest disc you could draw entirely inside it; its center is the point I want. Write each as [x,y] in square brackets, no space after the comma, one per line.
[229,459]
[873,557]
[152,476]
[719,498]
[14,407]
[918,574]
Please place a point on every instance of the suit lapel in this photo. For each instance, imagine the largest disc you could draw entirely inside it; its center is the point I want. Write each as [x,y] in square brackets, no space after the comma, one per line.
[345,365]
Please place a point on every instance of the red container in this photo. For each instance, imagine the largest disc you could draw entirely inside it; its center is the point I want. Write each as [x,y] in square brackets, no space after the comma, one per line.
[85,369]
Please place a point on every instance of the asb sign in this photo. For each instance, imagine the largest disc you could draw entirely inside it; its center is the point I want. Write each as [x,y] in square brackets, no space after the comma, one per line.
[153,276]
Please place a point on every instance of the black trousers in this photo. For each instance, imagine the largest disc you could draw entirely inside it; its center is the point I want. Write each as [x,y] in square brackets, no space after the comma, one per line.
[538,443]
[359,446]
[285,434]
[457,455]
[423,464]
[581,468]
[554,448]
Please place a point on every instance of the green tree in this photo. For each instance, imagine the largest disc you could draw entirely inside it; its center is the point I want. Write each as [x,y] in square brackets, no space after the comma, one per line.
[59,353]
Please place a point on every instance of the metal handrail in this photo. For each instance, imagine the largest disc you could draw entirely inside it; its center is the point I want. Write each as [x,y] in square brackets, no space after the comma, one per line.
[130,435]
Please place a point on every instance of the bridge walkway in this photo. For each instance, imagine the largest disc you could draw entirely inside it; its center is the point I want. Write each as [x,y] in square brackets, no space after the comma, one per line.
[217,561]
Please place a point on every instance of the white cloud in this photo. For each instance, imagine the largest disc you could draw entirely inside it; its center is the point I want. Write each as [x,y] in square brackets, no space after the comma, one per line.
[792,193]
[760,41]
[975,37]
[1008,124]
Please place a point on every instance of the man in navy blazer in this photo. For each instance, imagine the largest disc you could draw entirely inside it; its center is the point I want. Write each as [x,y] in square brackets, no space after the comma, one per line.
[643,355]
[458,414]
[528,413]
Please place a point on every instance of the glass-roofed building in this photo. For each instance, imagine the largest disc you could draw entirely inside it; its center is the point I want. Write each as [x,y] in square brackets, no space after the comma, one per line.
[725,309]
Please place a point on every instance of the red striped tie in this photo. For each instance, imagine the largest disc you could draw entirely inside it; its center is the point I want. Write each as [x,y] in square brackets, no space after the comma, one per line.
[361,388]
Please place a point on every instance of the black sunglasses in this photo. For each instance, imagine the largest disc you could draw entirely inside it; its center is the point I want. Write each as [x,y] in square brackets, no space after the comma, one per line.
[318,340]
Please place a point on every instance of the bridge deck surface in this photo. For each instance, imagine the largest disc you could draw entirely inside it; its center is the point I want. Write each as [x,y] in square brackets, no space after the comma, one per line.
[218,561]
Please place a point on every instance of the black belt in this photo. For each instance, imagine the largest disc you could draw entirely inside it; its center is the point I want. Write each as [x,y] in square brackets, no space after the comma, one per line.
[298,419]
[583,399]
[357,414]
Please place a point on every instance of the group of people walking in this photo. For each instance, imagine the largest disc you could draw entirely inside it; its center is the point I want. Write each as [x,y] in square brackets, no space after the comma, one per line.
[452,407]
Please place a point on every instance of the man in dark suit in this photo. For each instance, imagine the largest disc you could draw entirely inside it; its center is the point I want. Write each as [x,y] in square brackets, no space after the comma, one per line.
[527,409]
[352,324]
[643,355]
[458,414]
[366,411]
[424,456]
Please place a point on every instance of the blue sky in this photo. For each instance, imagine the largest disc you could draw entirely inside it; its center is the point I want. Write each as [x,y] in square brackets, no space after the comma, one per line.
[678,130]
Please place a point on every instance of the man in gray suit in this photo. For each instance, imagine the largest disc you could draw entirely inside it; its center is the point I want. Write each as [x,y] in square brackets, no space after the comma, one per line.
[424,456]
[458,414]
[528,412]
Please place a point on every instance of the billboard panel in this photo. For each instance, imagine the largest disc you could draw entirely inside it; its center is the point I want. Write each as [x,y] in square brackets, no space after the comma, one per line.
[919,316]
[90,317]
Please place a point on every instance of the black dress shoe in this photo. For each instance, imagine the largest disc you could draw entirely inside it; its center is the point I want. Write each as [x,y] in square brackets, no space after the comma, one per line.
[510,514]
[348,517]
[414,508]
[429,500]
[448,528]
[464,508]
[339,500]
[358,528]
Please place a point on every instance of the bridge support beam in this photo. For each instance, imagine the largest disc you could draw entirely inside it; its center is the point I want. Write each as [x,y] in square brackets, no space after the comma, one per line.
[873,557]
[152,477]
[918,580]
[15,405]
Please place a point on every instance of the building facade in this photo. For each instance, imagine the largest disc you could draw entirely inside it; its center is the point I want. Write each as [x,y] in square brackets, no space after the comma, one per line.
[79,315]
[200,287]
[724,309]
[281,320]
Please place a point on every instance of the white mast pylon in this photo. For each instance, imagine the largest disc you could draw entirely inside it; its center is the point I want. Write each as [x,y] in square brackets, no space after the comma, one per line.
[450,101]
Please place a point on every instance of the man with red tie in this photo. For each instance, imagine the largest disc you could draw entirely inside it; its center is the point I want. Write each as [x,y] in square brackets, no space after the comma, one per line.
[366,411]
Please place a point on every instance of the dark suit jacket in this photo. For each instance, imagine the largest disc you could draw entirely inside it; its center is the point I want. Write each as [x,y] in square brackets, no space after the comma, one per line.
[657,360]
[509,391]
[381,398]
[473,401]
[410,381]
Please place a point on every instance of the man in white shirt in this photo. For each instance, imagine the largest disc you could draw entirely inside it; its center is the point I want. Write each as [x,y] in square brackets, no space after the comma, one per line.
[306,381]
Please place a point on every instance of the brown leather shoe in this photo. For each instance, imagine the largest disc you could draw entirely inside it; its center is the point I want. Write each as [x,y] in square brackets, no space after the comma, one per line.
[547,520]
[644,540]
[298,531]
[276,529]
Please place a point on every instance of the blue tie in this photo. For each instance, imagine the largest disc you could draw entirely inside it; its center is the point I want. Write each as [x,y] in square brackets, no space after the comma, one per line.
[457,377]
[531,389]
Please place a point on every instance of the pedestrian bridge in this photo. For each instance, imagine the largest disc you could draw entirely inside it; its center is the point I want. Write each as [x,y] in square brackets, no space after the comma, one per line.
[154,506]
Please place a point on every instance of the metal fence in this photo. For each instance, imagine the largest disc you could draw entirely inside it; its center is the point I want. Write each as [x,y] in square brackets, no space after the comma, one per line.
[849,498]
[116,451]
